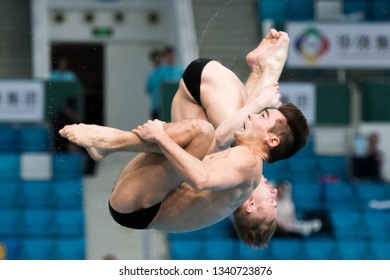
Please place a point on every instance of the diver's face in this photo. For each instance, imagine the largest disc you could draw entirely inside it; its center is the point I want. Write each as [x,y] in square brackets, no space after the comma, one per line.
[264,201]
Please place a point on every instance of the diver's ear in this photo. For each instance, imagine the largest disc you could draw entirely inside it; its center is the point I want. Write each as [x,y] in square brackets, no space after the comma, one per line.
[249,205]
[273,141]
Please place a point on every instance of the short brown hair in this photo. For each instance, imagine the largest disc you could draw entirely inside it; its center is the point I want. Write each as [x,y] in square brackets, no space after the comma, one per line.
[293,134]
[255,235]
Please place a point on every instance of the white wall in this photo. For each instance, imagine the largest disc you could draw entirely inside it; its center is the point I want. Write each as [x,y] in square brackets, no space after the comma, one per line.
[126,102]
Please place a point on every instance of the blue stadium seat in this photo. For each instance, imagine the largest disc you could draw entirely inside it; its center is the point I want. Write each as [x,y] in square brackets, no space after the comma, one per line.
[37,249]
[11,247]
[287,249]
[183,249]
[347,223]
[34,139]
[307,196]
[379,10]
[320,249]
[304,169]
[277,171]
[9,194]
[380,249]
[336,166]
[195,234]
[68,194]
[271,9]
[69,249]
[358,249]
[9,140]
[300,10]
[37,223]
[356,6]
[36,194]
[67,166]
[246,252]
[220,249]
[69,223]
[340,195]
[10,222]
[307,150]
[9,167]
[222,229]
[377,224]
[367,191]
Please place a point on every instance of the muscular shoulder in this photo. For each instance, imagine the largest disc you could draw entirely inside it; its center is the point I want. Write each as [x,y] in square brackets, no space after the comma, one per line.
[242,156]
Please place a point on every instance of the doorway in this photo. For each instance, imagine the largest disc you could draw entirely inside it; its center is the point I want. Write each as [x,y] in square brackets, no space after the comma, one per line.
[86,62]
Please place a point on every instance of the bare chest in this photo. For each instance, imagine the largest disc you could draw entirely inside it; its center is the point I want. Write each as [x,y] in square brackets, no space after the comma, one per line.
[188,209]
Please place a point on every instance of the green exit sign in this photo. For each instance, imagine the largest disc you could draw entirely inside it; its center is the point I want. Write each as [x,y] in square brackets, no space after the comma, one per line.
[102,31]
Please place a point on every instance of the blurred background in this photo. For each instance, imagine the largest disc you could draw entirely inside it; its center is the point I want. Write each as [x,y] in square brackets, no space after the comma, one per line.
[66,61]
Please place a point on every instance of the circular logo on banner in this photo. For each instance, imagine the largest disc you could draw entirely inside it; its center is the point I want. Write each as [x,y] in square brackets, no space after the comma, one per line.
[312,45]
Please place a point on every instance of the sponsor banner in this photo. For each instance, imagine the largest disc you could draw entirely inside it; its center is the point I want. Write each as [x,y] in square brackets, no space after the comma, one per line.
[303,95]
[21,101]
[345,45]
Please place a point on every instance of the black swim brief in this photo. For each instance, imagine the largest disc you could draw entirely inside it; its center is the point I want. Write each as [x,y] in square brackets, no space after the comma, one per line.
[136,220]
[192,76]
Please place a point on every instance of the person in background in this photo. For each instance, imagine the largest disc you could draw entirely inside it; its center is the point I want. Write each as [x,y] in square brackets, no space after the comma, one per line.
[62,72]
[288,225]
[172,70]
[165,69]
[153,83]
[368,165]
